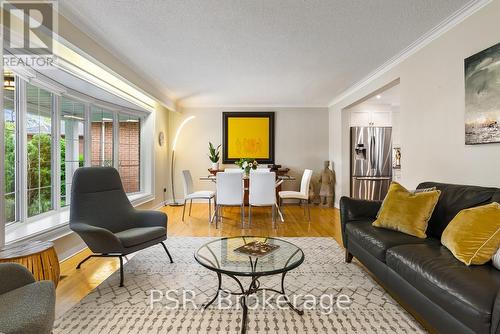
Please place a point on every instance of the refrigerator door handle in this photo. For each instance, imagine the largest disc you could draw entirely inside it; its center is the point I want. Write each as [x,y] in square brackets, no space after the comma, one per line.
[372,152]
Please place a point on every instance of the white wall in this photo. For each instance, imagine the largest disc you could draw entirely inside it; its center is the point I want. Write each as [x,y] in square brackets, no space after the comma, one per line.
[432,110]
[301,136]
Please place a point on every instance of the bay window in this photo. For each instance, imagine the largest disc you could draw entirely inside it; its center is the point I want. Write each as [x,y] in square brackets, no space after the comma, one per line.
[71,144]
[102,137]
[39,150]
[49,134]
[129,152]
[10,148]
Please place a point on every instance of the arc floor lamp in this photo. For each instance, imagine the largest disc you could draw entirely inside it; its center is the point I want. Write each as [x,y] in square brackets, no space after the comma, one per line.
[179,129]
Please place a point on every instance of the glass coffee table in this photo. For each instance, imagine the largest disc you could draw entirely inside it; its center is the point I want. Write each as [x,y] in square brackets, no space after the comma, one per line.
[220,256]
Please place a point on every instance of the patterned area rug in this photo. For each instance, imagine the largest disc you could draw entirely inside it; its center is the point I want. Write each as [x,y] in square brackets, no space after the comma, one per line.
[335,296]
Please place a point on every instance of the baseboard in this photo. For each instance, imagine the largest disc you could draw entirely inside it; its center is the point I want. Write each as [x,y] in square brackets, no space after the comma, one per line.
[159,206]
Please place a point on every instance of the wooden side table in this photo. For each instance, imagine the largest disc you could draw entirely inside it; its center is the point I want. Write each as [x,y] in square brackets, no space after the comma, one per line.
[39,257]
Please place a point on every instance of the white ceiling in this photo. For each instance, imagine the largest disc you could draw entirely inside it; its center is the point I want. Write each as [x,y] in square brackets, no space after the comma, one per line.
[256,52]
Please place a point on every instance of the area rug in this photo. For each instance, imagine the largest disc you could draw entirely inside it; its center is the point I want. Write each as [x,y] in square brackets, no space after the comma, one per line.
[347,300]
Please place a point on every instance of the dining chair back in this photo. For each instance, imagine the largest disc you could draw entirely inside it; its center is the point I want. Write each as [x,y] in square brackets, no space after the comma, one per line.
[262,189]
[233,170]
[262,193]
[187,182]
[260,170]
[229,188]
[229,192]
[305,182]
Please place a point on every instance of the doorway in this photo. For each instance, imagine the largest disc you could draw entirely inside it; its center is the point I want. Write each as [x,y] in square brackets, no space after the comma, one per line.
[373,143]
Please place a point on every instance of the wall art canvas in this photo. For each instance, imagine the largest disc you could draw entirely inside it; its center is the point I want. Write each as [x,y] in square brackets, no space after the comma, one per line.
[248,135]
[482,97]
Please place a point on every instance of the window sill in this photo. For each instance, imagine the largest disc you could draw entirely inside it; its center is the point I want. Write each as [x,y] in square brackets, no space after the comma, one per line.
[49,227]
[52,226]
[140,198]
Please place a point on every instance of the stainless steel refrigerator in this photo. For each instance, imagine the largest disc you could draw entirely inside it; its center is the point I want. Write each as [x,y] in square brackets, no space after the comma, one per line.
[371,162]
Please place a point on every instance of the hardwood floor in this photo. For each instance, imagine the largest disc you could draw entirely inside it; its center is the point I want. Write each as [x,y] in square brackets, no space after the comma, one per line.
[325,222]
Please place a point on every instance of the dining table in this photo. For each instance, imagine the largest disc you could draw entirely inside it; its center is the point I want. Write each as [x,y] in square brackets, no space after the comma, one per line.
[280,178]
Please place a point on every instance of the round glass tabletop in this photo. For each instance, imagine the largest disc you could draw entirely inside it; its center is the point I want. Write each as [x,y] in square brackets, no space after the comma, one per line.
[221,256]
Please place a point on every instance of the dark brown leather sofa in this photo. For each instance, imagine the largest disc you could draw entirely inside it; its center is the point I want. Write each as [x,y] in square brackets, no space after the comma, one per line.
[446,295]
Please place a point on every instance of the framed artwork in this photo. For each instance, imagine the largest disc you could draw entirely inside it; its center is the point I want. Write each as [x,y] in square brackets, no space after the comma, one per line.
[482,97]
[248,135]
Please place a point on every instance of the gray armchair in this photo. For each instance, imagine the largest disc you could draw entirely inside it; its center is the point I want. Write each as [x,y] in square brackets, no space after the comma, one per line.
[103,217]
[26,306]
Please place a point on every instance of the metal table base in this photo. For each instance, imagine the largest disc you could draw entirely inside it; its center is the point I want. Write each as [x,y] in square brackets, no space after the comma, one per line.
[253,288]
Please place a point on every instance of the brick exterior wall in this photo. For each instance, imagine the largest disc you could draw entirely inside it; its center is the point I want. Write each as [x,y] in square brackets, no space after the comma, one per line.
[129,156]
[95,152]
[129,151]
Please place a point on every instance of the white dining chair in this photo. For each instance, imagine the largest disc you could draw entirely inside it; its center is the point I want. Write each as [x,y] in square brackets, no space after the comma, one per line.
[302,195]
[190,194]
[233,170]
[260,170]
[229,192]
[262,193]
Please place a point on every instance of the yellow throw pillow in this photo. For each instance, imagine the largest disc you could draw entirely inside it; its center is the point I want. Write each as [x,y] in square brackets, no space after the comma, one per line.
[406,211]
[473,236]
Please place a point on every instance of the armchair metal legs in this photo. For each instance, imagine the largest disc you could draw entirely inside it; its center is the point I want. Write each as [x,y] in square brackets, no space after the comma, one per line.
[166,250]
[121,270]
[348,256]
[120,257]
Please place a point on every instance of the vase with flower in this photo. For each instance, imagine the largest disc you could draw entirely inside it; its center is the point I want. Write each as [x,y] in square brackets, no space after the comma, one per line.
[247,164]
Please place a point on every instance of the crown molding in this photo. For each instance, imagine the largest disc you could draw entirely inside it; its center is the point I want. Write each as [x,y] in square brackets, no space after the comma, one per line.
[251,107]
[439,30]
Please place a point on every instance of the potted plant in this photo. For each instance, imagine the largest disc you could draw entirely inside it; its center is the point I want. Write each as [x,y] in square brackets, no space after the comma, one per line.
[246,164]
[214,155]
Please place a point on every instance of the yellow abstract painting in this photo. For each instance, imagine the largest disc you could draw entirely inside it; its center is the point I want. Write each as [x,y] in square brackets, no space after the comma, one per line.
[248,137]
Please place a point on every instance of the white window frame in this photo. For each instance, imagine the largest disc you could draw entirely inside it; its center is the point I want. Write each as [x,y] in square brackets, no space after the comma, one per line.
[85,142]
[23,158]
[146,192]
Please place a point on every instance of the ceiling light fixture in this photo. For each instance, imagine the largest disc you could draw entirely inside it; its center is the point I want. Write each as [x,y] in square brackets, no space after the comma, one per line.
[378,97]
